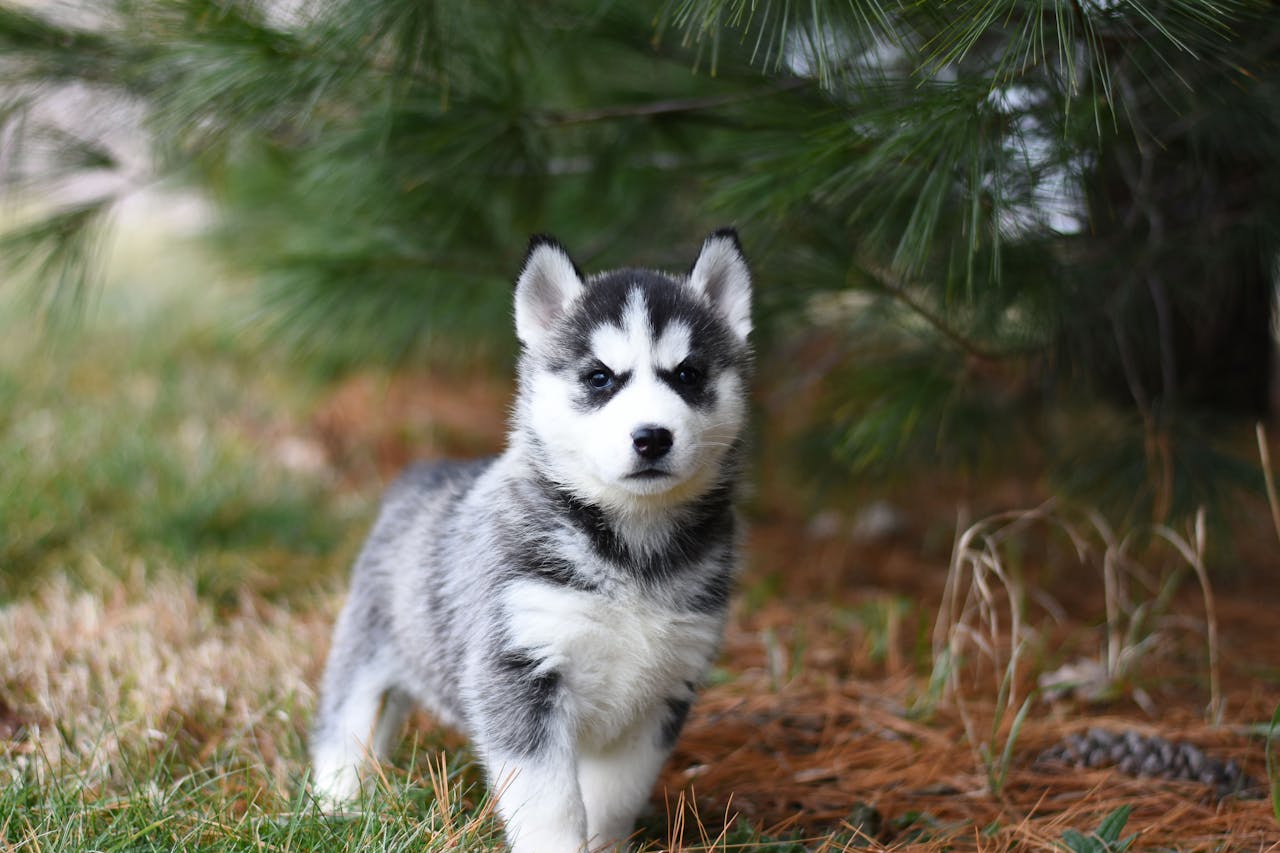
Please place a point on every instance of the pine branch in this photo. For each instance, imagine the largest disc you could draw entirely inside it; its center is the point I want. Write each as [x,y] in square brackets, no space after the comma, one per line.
[59,251]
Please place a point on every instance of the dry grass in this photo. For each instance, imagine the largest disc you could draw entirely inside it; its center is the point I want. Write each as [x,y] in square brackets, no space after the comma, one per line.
[139,717]
[90,677]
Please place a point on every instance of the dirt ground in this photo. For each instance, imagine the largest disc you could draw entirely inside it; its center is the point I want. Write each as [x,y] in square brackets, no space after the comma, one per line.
[822,718]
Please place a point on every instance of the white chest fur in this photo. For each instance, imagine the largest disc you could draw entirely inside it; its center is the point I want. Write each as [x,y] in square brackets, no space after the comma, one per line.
[618,658]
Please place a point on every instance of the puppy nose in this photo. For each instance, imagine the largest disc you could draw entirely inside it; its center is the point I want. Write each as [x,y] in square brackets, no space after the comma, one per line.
[651,442]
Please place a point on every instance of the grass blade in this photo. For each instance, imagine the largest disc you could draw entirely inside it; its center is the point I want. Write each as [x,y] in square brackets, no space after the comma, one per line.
[1273,765]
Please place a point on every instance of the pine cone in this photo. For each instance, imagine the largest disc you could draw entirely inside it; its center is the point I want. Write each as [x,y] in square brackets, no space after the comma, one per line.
[1153,757]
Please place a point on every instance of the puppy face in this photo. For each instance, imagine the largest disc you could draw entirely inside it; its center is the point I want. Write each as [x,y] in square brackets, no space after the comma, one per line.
[633,381]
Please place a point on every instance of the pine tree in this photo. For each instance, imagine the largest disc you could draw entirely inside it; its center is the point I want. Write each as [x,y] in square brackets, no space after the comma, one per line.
[993,212]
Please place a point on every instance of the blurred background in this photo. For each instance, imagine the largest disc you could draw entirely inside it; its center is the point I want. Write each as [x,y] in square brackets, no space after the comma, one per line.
[1004,251]
[1016,269]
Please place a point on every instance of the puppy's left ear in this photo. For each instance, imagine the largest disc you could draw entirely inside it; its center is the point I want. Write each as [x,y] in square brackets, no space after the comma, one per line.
[721,275]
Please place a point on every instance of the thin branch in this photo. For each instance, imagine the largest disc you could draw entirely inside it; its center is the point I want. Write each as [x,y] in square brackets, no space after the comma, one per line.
[885,283]
[1128,365]
[673,105]
[1265,454]
[1168,352]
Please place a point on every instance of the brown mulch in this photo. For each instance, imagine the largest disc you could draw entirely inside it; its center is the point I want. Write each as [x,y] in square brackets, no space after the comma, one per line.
[805,754]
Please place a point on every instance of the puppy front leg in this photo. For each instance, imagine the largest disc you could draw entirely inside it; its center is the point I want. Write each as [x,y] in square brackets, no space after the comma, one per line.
[522,732]
[617,779]
[540,803]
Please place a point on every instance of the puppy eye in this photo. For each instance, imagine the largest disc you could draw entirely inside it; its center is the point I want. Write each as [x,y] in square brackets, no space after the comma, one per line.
[687,375]
[600,379]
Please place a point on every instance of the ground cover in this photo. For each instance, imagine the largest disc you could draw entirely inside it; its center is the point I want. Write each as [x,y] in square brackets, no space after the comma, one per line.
[178,509]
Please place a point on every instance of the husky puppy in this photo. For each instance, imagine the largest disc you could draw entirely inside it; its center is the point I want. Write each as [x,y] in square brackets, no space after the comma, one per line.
[561,604]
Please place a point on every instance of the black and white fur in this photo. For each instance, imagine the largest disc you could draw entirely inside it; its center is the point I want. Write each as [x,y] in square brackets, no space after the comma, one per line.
[560,604]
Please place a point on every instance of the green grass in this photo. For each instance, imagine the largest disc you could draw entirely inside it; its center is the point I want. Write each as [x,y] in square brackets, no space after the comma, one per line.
[1106,839]
[151,434]
[1273,771]
[223,809]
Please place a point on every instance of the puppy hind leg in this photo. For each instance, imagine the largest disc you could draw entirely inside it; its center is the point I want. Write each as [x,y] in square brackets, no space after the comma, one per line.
[397,705]
[356,676]
[341,742]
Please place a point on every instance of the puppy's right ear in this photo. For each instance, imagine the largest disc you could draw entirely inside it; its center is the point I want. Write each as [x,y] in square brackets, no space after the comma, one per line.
[548,282]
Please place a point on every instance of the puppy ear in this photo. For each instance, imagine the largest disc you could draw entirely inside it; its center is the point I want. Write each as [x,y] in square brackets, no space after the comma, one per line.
[548,282]
[721,276]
